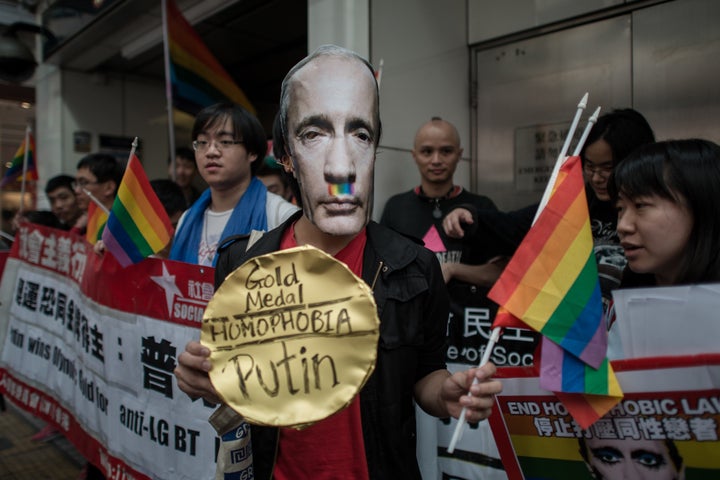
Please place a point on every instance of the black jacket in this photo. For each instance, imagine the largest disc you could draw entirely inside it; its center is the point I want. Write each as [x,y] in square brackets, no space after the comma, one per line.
[412,306]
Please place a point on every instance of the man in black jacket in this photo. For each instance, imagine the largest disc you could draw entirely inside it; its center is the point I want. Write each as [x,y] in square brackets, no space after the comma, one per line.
[331,126]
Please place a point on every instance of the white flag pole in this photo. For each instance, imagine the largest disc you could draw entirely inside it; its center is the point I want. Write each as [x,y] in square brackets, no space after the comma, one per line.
[494,337]
[132,150]
[96,201]
[591,121]
[561,157]
[93,197]
[496,332]
[168,89]
[24,170]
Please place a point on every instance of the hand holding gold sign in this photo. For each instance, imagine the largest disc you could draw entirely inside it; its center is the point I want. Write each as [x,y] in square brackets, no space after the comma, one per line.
[439,393]
[192,372]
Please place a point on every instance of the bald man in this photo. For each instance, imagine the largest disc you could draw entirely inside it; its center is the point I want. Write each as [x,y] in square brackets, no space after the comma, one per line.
[419,212]
[469,269]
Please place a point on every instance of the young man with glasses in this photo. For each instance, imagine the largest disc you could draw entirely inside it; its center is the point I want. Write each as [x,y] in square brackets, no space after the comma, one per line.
[98,176]
[229,145]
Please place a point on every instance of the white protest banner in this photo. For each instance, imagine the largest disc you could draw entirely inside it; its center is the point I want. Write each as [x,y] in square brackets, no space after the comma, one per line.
[679,320]
[666,426]
[91,348]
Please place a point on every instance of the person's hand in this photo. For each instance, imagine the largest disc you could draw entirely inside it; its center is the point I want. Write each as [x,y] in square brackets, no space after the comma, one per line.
[192,372]
[99,247]
[448,271]
[82,221]
[453,222]
[485,274]
[18,218]
[493,269]
[479,403]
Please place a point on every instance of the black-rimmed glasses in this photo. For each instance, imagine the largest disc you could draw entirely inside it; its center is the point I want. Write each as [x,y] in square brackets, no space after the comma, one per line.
[201,146]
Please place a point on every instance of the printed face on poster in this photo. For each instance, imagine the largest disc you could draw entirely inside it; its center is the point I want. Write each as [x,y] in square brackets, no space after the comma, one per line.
[666,426]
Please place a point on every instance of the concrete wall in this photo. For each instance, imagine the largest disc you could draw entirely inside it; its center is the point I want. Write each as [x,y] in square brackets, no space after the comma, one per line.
[116,106]
[423,44]
[100,105]
[340,22]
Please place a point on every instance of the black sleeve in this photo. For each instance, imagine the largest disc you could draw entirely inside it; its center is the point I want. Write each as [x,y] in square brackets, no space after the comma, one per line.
[509,228]
[436,310]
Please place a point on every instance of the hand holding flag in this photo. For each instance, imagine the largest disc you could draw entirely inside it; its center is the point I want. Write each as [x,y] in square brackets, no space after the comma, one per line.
[551,285]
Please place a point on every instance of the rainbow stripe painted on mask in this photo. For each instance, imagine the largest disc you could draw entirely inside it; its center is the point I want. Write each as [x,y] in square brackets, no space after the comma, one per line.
[341,188]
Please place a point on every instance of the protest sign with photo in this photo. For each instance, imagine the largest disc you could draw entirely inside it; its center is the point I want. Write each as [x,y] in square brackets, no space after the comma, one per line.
[666,426]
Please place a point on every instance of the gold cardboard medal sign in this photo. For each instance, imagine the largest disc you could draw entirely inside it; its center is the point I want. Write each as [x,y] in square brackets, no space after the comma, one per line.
[293,337]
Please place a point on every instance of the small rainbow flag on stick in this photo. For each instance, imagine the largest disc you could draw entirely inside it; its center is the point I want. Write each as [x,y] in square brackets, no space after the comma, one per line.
[18,164]
[588,393]
[551,284]
[198,79]
[97,218]
[138,225]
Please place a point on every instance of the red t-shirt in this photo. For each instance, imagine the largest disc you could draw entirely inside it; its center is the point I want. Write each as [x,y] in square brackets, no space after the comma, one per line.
[331,448]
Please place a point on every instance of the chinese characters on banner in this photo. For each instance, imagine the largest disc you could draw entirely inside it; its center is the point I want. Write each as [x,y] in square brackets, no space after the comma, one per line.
[668,423]
[91,347]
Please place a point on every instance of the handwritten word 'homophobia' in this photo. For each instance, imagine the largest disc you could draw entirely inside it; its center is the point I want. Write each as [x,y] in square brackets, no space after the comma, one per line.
[299,320]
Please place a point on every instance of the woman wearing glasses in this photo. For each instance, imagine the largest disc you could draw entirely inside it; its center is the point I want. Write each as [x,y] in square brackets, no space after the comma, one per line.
[612,138]
[610,141]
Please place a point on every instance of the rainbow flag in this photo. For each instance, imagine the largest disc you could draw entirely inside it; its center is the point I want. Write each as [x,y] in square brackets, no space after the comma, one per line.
[588,393]
[505,319]
[198,80]
[138,225]
[15,172]
[551,285]
[97,218]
